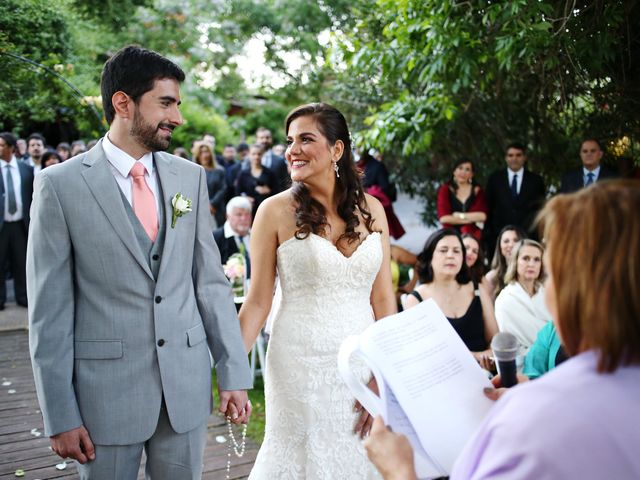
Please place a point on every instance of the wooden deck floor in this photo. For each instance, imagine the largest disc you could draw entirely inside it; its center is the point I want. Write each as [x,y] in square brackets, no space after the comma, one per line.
[20,414]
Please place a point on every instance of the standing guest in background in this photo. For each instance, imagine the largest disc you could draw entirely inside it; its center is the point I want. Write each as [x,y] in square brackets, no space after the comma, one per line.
[21,149]
[243,155]
[592,171]
[235,233]
[50,157]
[228,155]
[474,259]
[127,306]
[64,150]
[520,308]
[232,168]
[376,183]
[461,203]
[507,239]
[36,146]
[444,276]
[16,182]
[182,153]
[78,147]
[203,156]
[279,149]
[258,182]
[514,195]
[273,162]
[579,421]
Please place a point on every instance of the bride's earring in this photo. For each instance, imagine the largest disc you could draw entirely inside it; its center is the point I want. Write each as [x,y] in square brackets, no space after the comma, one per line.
[335,169]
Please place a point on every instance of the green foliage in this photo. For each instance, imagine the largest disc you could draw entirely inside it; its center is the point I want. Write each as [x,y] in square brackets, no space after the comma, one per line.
[198,120]
[114,13]
[436,81]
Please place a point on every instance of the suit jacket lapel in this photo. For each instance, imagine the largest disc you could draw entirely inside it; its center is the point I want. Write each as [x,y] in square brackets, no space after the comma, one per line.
[170,181]
[107,194]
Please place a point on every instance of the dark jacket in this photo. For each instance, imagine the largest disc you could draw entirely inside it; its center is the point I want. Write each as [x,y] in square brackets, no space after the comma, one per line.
[574,180]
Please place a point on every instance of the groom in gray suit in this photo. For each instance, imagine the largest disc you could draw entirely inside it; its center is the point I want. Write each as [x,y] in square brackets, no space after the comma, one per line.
[126,293]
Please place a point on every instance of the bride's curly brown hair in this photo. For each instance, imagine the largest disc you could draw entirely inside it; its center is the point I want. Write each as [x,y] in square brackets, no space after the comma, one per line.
[310,214]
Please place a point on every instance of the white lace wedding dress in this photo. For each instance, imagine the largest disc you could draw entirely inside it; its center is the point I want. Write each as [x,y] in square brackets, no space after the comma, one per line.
[309,410]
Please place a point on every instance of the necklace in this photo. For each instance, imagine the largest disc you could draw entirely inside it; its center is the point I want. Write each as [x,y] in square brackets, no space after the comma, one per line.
[238,449]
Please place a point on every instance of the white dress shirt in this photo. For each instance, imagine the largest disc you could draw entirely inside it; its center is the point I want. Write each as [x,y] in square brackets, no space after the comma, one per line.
[36,168]
[17,188]
[520,174]
[586,172]
[229,232]
[121,164]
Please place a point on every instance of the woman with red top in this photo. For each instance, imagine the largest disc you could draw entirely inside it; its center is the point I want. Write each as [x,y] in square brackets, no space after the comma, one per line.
[461,203]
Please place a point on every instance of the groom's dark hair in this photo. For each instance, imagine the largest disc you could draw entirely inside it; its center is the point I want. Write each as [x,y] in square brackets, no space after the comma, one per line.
[133,70]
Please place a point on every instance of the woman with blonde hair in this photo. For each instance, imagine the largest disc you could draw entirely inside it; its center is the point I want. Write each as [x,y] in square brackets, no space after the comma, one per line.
[507,238]
[520,308]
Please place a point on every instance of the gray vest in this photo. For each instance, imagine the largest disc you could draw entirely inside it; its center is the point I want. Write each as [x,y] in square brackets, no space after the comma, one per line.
[151,250]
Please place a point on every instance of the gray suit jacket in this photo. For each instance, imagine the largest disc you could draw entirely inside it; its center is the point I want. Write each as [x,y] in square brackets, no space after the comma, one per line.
[107,339]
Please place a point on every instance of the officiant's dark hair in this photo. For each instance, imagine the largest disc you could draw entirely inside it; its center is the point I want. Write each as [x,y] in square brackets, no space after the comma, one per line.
[311,216]
[133,70]
[425,272]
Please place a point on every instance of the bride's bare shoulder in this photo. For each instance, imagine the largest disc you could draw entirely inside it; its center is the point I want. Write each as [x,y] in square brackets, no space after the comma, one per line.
[278,213]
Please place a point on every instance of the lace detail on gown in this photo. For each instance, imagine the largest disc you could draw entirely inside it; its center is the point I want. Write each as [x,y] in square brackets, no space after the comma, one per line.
[309,409]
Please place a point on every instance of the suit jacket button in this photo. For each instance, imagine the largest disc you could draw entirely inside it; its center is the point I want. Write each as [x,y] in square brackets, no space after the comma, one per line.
[156,257]
[158,299]
[161,342]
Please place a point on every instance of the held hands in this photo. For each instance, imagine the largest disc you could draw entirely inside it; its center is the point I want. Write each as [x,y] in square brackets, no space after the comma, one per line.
[365,420]
[74,444]
[235,405]
[389,452]
[495,393]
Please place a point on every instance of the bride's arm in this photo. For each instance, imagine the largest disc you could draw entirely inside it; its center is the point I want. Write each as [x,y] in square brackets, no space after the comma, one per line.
[263,246]
[383,299]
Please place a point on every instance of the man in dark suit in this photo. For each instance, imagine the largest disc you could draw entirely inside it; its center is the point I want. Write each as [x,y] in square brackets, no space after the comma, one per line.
[514,195]
[16,190]
[591,171]
[235,231]
[273,162]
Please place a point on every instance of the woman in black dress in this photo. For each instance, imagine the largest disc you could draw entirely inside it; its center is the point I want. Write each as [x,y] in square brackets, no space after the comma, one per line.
[257,182]
[445,278]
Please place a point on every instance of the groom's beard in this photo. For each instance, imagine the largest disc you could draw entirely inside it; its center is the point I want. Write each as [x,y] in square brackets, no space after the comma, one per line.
[148,135]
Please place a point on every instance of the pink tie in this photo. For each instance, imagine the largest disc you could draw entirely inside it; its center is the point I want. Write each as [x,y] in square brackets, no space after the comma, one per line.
[144,204]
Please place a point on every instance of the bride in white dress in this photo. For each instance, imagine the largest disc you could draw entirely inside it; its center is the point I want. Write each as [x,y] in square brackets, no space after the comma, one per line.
[329,242]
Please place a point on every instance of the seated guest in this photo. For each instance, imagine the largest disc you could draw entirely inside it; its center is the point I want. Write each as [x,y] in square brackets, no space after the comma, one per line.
[445,278]
[520,308]
[581,419]
[461,203]
[257,182]
[507,238]
[235,231]
[545,353]
[474,259]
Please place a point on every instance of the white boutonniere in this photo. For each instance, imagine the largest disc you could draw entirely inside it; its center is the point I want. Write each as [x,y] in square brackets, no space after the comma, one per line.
[181,205]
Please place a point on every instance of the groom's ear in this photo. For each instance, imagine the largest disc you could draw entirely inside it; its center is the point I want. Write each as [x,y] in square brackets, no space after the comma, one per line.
[122,104]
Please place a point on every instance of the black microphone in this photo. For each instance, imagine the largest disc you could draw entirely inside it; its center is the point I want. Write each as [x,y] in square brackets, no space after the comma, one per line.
[505,348]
